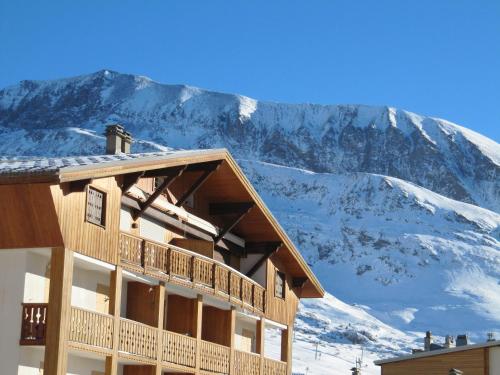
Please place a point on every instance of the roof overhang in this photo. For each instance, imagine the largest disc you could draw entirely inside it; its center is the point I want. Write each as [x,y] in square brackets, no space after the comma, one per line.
[312,287]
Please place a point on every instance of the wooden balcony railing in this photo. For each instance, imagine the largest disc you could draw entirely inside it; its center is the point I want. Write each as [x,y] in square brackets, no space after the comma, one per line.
[214,357]
[33,323]
[272,367]
[91,328]
[246,363]
[130,249]
[179,349]
[138,339]
[172,263]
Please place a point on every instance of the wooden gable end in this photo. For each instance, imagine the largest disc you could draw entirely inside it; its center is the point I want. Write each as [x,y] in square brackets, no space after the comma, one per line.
[28,217]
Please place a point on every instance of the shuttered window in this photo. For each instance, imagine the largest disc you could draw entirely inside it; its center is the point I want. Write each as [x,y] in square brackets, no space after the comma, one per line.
[96,206]
[279,287]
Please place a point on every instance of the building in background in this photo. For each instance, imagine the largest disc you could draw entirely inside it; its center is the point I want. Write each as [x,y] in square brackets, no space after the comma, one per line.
[143,264]
[464,359]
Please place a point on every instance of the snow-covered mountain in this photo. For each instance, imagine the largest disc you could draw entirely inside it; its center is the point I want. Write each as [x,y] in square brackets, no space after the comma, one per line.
[396,212]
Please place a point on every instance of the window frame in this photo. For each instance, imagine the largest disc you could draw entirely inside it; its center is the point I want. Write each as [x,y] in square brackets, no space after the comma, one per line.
[103,205]
[282,276]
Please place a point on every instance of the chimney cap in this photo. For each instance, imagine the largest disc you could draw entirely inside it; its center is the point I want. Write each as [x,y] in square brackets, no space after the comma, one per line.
[115,129]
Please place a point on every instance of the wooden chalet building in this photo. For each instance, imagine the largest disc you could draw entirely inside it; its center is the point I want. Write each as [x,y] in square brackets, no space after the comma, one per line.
[155,263]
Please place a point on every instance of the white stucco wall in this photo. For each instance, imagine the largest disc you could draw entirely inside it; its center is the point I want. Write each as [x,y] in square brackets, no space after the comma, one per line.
[240,325]
[37,278]
[125,219]
[21,280]
[494,361]
[247,263]
[83,291]
[152,229]
[32,360]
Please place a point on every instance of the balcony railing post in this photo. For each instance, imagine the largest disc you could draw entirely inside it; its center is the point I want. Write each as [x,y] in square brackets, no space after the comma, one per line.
[215,282]
[193,269]
[232,329]
[114,310]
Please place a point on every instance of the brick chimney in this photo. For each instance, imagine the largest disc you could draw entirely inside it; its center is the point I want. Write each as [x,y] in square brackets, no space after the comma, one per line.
[428,341]
[448,341]
[117,140]
[462,340]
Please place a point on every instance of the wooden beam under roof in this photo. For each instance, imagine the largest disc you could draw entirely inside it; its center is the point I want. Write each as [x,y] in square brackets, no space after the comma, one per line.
[130,179]
[209,168]
[173,173]
[228,208]
[243,210]
[260,247]
[264,258]
[298,282]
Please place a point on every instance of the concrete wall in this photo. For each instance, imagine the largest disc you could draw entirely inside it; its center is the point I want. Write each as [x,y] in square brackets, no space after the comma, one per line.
[83,291]
[247,263]
[494,361]
[125,219]
[152,229]
[22,279]
[240,341]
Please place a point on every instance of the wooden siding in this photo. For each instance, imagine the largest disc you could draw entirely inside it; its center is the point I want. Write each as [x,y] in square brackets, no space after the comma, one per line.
[281,310]
[28,217]
[471,362]
[84,237]
[216,325]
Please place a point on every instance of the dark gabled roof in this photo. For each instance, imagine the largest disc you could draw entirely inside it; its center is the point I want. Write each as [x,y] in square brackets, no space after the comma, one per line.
[13,168]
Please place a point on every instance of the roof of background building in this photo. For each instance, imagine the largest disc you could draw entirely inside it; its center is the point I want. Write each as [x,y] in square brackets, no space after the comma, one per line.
[437,352]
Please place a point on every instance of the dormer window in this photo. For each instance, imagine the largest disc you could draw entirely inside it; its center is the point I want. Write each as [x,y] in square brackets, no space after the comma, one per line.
[96,207]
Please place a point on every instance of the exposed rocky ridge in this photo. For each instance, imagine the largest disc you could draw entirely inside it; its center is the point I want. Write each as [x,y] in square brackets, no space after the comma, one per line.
[432,153]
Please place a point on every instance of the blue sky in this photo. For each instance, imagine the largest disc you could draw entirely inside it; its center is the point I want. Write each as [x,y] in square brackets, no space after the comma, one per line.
[439,57]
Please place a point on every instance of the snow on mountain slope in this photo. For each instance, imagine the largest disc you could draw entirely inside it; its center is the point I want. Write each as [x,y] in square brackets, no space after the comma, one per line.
[330,335]
[404,258]
[418,259]
[433,153]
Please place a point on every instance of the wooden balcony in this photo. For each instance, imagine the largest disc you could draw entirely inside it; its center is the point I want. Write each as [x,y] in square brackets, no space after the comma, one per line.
[93,331]
[33,323]
[184,267]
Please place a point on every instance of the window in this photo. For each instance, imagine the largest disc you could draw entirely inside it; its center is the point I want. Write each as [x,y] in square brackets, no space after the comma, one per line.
[96,206]
[279,285]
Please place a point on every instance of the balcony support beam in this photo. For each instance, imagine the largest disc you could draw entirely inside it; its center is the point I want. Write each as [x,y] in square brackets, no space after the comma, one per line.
[159,307]
[209,169]
[260,340]
[231,341]
[58,322]
[286,347]
[111,366]
[197,321]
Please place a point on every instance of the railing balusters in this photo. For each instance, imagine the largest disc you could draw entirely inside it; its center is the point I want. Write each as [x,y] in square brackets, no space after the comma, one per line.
[175,264]
[33,323]
[91,328]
